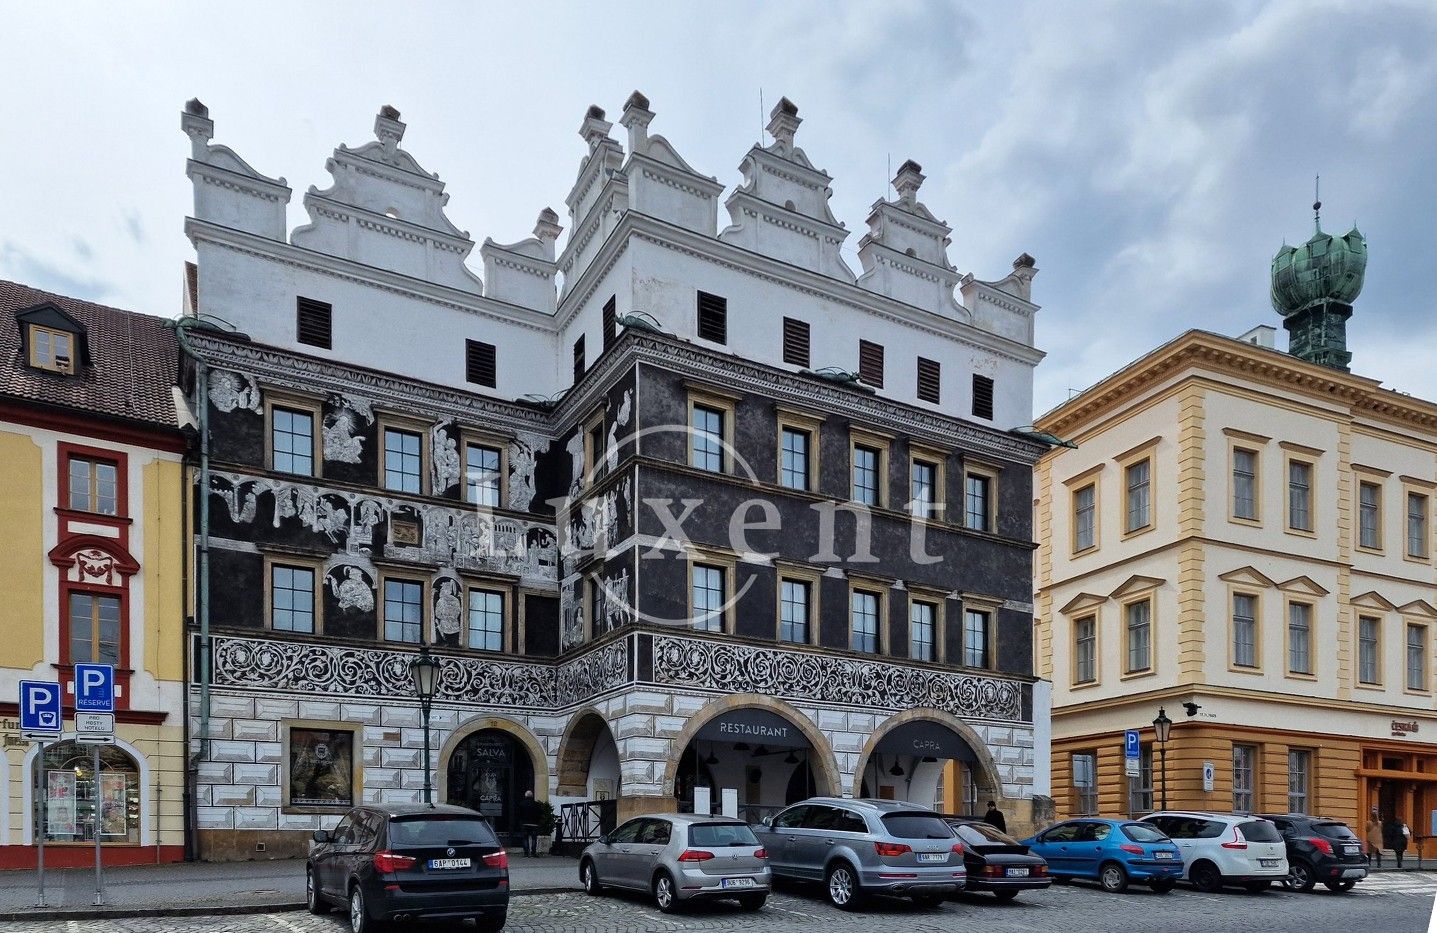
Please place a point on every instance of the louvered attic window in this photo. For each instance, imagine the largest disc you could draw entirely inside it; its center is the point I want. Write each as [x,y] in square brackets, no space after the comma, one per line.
[928,380]
[314,322]
[870,363]
[479,363]
[795,342]
[982,397]
[611,325]
[713,318]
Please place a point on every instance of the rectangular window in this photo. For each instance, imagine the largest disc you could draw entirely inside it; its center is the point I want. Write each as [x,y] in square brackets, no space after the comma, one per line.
[486,620]
[1244,630]
[866,461]
[922,629]
[1416,525]
[94,629]
[1299,495]
[708,598]
[480,363]
[707,433]
[1085,784]
[1138,621]
[579,358]
[321,768]
[1085,518]
[712,318]
[596,605]
[1369,515]
[403,611]
[291,595]
[51,349]
[793,458]
[923,488]
[94,486]
[403,460]
[929,380]
[596,454]
[313,322]
[977,501]
[793,611]
[975,638]
[1244,484]
[1244,760]
[1085,650]
[1299,780]
[863,621]
[1416,657]
[795,342]
[1140,788]
[1139,495]
[292,440]
[1369,633]
[611,321]
[1299,638]
[983,397]
[483,480]
[870,363]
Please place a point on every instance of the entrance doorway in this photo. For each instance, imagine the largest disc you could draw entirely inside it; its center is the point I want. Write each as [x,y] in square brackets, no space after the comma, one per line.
[917,761]
[489,772]
[748,762]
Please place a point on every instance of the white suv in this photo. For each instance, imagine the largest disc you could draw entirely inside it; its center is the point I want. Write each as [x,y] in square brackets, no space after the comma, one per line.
[1225,848]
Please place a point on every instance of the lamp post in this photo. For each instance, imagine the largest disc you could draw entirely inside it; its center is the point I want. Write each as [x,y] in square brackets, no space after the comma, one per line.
[425,672]
[1163,726]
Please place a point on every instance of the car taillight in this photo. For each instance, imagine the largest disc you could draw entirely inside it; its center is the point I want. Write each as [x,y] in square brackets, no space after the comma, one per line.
[1040,869]
[1132,849]
[891,849]
[498,859]
[1321,845]
[392,861]
[695,855]
[993,871]
[760,853]
[957,848]
[1238,842]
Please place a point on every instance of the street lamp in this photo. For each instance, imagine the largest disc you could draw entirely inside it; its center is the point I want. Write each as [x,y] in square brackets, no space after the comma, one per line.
[1164,726]
[425,672]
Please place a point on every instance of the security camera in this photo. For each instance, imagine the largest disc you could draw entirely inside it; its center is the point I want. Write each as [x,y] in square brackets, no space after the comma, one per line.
[1192,708]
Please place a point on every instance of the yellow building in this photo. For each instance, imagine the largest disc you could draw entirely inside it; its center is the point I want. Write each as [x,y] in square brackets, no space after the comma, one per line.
[92,517]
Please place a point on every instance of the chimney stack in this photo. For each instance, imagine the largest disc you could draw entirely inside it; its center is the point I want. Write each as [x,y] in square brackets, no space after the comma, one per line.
[636,119]
[783,124]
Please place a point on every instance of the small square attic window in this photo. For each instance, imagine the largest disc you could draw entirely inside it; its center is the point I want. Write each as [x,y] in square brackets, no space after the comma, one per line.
[52,340]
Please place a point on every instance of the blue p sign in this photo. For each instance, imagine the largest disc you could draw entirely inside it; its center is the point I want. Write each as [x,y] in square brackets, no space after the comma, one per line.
[94,688]
[40,707]
[1132,744]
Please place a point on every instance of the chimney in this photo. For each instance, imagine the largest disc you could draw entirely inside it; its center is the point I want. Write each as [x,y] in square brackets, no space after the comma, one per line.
[595,129]
[387,129]
[1263,335]
[547,229]
[196,123]
[909,179]
[783,124]
[636,119]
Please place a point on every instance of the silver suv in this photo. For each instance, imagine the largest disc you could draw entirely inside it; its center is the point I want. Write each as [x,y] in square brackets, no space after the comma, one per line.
[860,847]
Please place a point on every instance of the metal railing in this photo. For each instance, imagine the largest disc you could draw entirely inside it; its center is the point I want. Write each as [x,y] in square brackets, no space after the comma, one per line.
[586,821]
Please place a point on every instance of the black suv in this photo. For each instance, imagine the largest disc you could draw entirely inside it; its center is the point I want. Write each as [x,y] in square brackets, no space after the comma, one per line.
[410,862]
[1320,850]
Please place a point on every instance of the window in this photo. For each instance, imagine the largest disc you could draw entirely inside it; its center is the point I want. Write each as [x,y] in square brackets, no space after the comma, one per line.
[313,322]
[1299,638]
[1299,495]
[1416,525]
[922,630]
[1416,657]
[611,321]
[1139,495]
[291,598]
[67,775]
[870,363]
[1244,630]
[292,440]
[983,397]
[403,611]
[483,475]
[596,605]
[1140,788]
[1085,784]
[321,768]
[707,602]
[923,488]
[596,454]
[1244,758]
[712,318]
[1244,484]
[403,460]
[1085,515]
[579,358]
[480,366]
[977,501]
[1299,780]
[863,621]
[1369,515]
[94,486]
[929,380]
[486,620]
[1138,624]
[975,638]
[795,342]
[707,438]
[793,610]
[94,629]
[867,465]
[793,470]
[1369,633]
[52,349]
[1085,650]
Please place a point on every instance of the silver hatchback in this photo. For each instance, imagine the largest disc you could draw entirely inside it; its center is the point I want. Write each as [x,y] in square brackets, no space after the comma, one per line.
[859,847]
[678,857]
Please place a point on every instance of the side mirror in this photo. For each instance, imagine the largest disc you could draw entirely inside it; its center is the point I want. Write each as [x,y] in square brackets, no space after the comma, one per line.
[604,839]
[320,836]
[767,822]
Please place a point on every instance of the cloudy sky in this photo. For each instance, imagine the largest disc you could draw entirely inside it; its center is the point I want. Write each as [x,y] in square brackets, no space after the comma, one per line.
[1152,156]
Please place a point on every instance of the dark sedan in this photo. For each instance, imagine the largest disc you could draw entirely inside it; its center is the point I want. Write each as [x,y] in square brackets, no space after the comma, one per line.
[996,862]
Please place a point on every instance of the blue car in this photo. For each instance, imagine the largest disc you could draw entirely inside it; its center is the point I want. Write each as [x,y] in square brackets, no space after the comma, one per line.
[1111,852]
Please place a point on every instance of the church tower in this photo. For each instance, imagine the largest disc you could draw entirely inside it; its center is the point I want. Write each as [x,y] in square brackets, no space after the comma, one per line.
[1313,287]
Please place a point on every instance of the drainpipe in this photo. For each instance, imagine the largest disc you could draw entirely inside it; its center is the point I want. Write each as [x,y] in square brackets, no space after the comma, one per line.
[202,575]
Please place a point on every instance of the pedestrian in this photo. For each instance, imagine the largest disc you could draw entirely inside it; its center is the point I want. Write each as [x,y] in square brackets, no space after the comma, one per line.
[994,817]
[1374,838]
[529,823]
[1394,837]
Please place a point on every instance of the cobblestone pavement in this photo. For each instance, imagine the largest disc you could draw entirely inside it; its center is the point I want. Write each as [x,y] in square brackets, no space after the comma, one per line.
[1392,904]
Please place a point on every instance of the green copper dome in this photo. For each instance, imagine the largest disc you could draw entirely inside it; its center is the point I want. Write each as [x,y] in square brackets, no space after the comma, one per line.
[1324,269]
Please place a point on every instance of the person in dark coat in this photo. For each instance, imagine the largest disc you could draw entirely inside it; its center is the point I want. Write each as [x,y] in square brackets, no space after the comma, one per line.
[994,817]
[1394,837]
[529,823]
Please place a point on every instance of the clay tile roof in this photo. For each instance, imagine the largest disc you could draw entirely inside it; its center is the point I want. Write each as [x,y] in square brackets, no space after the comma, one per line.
[134,361]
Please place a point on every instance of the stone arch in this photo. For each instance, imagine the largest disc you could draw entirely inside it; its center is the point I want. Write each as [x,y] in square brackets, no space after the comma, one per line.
[148,833]
[825,767]
[537,756]
[576,749]
[985,765]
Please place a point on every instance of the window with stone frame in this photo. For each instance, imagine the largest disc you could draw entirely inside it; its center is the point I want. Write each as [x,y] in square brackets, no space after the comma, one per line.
[709,594]
[1085,783]
[863,612]
[976,632]
[1369,650]
[1299,638]
[922,630]
[1085,650]
[1138,626]
[795,601]
[403,460]
[486,619]
[1138,478]
[1244,765]
[403,611]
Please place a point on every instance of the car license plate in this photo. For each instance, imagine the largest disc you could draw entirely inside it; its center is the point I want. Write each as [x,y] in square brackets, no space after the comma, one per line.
[1017,873]
[932,856]
[737,883]
[1350,850]
[1355,873]
[1267,862]
[450,863]
[1162,855]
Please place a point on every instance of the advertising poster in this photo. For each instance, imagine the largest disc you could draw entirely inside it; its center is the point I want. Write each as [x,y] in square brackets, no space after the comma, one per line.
[60,802]
[113,810]
[321,768]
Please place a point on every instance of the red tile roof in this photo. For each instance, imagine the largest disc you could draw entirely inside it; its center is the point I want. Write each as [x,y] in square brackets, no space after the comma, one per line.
[134,361]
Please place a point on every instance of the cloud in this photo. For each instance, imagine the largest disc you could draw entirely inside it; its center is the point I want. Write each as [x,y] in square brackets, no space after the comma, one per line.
[18,265]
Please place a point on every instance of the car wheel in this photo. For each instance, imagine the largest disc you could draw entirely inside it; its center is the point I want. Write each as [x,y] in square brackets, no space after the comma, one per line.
[842,886]
[1005,895]
[1161,885]
[1206,878]
[1256,887]
[312,898]
[1301,874]
[1340,887]
[665,894]
[589,878]
[928,900]
[1113,877]
[359,920]
[753,902]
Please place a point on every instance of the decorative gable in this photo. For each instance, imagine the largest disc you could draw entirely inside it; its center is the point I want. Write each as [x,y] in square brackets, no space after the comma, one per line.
[1373,600]
[1304,585]
[228,191]
[1136,585]
[1247,576]
[661,183]
[1419,607]
[905,252]
[1083,602]
[523,273]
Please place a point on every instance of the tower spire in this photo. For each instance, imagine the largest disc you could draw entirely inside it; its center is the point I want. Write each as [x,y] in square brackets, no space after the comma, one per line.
[1317,203]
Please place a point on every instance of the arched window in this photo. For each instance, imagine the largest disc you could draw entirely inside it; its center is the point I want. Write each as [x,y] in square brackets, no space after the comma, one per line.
[69,790]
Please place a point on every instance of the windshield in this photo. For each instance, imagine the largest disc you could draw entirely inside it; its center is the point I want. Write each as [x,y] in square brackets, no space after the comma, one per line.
[431,831]
[981,834]
[1260,831]
[1143,832]
[1334,830]
[916,826]
[719,835]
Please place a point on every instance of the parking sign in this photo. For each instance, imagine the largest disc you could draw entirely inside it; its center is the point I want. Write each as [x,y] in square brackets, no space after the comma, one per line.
[1132,744]
[94,688]
[40,713]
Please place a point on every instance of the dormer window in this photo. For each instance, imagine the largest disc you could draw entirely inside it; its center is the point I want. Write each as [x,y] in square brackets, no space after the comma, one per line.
[52,349]
[52,340]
